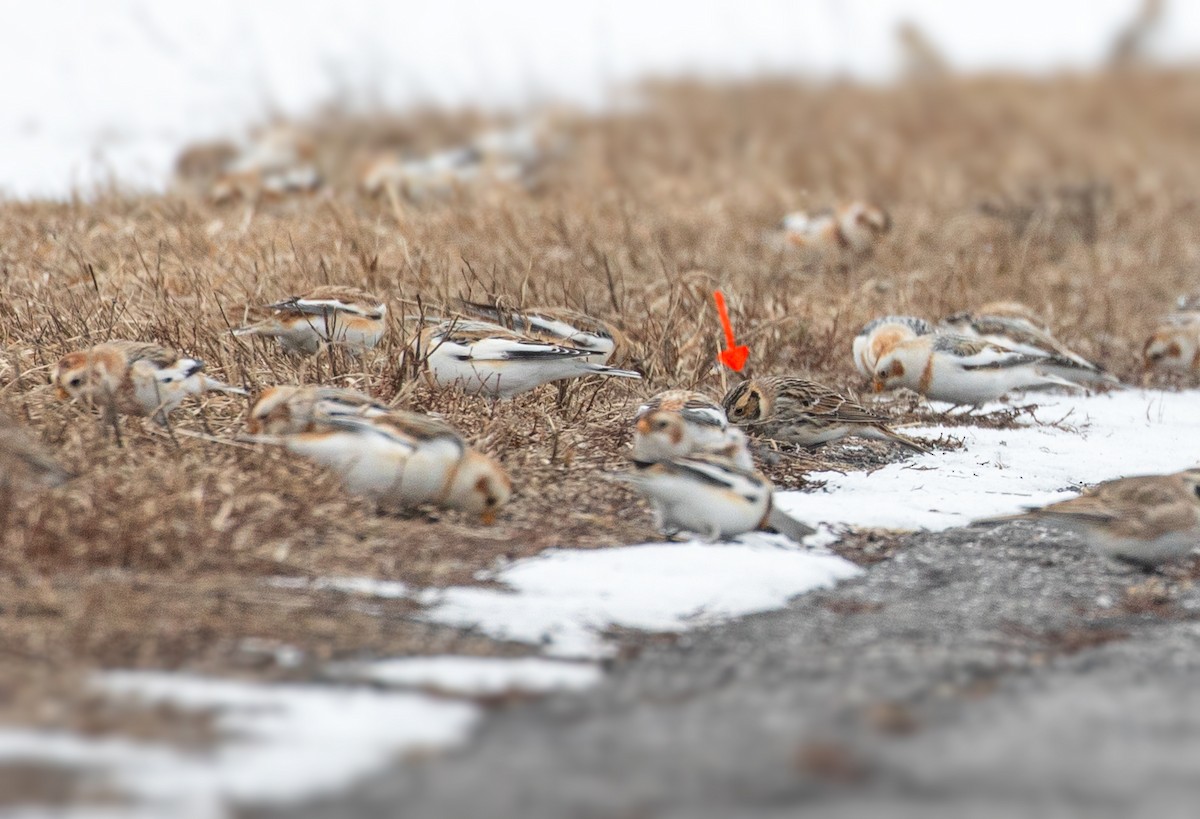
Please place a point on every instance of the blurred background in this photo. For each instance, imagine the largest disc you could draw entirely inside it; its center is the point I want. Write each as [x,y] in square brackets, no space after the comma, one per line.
[111,92]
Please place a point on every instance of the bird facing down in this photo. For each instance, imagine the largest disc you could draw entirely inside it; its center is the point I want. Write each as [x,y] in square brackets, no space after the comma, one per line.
[963,371]
[24,460]
[679,423]
[799,411]
[402,459]
[133,378]
[1174,348]
[878,337]
[1145,520]
[1023,336]
[286,408]
[330,314]
[557,325]
[709,496]
[480,357]
[854,225]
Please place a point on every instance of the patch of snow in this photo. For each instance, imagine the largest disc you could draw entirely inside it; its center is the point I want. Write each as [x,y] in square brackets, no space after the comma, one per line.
[997,472]
[564,599]
[367,586]
[276,743]
[473,676]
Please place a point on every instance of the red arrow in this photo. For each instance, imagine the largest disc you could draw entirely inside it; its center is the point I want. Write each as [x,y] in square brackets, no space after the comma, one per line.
[733,356]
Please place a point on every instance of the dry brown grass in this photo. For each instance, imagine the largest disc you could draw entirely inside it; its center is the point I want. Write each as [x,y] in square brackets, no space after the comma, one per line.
[1075,195]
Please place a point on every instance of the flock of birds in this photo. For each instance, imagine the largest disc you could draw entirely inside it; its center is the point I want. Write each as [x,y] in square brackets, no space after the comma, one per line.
[690,452]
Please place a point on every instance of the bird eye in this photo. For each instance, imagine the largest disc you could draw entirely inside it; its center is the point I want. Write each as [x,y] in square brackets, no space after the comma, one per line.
[662,423]
[75,382]
[490,500]
[1196,489]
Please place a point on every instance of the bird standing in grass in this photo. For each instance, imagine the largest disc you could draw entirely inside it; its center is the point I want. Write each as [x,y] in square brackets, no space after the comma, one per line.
[557,325]
[1146,520]
[133,377]
[331,314]
[878,338]
[1174,348]
[854,225]
[682,422]
[400,459]
[799,411]
[480,357]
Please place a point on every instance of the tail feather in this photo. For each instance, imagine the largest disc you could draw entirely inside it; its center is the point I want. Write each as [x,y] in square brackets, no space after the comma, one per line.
[885,434]
[786,525]
[221,386]
[601,369]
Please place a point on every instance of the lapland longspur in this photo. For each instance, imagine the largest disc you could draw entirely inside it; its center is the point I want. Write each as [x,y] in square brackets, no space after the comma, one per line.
[962,370]
[878,337]
[679,423]
[710,496]
[1024,336]
[330,314]
[799,411]
[133,377]
[1145,520]
[854,225]
[557,325]
[403,459]
[287,409]
[480,357]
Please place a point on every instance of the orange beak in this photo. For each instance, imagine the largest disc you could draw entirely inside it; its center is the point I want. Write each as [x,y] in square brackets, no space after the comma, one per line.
[488,517]
[62,394]
[878,385]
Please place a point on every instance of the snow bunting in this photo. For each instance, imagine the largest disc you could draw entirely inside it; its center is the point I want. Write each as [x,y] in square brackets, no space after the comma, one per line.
[682,422]
[557,325]
[1024,336]
[804,412]
[480,357]
[961,370]
[1144,520]
[402,458]
[856,225]
[133,377]
[881,335]
[25,460]
[326,314]
[279,160]
[709,496]
[287,409]
[1175,348]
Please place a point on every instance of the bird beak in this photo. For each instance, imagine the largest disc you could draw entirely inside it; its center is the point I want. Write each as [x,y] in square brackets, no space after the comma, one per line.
[643,426]
[878,385]
[62,394]
[488,517]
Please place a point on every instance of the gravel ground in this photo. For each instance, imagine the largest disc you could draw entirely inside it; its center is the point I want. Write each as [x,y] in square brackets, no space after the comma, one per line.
[977,673]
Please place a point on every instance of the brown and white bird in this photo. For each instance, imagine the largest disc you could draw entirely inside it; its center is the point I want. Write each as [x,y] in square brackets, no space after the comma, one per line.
[133,377]
[709,496]
[678,423]
[480,357]
[879,336]
[1145,520]
[961,370]
[287,409]
[1174,348]
[557,325]
[26,461]
[330,314]
[799,411]
[1024,336]
[854,225]
[400,458]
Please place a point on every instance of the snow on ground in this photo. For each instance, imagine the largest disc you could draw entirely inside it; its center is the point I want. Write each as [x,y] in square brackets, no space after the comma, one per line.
[474,676]
[100,91]
[1121,433]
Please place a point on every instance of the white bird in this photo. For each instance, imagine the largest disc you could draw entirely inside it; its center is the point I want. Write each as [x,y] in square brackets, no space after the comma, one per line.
[479,357]
[133,377]
[854,225]
[287,409]
[557,325]
[961,370]
[1174,347]
[330,314]
[878,337]
[679,423]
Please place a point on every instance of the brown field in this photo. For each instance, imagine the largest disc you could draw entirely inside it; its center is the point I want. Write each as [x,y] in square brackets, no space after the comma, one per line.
[1076,195]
